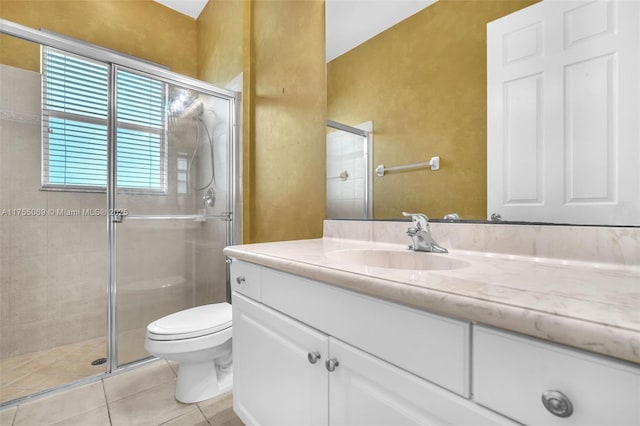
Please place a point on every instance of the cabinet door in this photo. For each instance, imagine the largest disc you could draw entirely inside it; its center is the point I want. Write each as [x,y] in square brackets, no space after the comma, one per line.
[365,390]
[274,382]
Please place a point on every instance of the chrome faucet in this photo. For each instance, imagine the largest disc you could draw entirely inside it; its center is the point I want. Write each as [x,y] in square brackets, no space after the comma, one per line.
[421,235]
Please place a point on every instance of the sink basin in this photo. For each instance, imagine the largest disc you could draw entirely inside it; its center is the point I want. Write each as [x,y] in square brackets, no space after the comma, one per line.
[396,259]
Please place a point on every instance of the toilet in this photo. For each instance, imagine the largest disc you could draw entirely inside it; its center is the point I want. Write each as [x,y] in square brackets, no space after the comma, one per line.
[199,339]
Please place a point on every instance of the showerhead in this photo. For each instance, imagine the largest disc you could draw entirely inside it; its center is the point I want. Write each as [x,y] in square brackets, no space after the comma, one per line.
[183,102]
[194,111]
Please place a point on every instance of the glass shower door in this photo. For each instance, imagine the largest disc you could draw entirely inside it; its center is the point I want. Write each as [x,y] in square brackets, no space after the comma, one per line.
[173,203]
[53,257]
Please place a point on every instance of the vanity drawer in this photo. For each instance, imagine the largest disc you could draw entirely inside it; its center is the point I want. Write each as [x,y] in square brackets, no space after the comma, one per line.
[245,279]
[430,346]
[511,373]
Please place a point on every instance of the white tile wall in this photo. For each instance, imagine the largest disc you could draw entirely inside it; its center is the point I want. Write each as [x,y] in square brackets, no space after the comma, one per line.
[345,198]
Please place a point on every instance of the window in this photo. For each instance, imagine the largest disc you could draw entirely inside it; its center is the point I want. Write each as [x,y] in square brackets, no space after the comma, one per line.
[75,107]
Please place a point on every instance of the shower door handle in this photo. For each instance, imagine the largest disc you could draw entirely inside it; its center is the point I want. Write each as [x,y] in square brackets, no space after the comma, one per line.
[118,215]
[224,216]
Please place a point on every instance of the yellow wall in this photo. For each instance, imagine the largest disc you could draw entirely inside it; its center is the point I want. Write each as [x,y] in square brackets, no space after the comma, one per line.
[142,28]
[423,83]
[219,41]
[279,47]
[286,96]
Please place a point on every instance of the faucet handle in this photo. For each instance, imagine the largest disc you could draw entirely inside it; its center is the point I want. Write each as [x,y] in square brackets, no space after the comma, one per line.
[412,231]
[420,220]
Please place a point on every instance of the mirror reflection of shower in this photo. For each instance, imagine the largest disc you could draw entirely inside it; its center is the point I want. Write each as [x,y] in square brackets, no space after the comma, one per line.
[196,120]
[348,167]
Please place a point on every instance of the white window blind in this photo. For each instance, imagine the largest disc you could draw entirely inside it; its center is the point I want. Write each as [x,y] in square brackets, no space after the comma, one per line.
[75,118]
[141,151]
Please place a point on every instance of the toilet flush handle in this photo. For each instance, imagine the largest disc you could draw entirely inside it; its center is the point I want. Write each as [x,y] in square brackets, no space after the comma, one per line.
[240,280]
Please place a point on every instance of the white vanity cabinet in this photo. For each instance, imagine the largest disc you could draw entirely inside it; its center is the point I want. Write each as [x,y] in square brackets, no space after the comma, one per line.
[291,369]
[309,353]
[514,374]
[274,379]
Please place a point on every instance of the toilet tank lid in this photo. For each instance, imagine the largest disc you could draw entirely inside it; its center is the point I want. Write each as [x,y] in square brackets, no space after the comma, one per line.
[193,322]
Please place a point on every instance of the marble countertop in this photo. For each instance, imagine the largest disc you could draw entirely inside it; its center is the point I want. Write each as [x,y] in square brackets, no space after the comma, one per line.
[595,307]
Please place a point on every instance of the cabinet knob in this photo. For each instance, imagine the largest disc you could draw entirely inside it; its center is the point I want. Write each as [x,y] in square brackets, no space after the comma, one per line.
[557,403]
[313,357]
[331,364]
[240,280]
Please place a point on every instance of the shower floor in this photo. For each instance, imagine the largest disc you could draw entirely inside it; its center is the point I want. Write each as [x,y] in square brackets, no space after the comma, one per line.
[37,371]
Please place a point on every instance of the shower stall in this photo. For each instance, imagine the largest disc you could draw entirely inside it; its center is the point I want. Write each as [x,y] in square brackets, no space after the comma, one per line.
[117,195]
[349,164]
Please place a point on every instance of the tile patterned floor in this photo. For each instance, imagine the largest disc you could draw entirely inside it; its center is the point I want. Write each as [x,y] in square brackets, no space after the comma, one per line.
[37,371]
[144,396]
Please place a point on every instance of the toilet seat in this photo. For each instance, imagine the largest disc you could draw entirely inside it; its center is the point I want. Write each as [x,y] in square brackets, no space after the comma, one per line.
[191,323]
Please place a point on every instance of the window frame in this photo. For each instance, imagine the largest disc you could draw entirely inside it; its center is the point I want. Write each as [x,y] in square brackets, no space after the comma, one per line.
[111,135]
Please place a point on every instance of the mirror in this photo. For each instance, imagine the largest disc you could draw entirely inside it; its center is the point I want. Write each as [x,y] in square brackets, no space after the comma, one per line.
[423,84]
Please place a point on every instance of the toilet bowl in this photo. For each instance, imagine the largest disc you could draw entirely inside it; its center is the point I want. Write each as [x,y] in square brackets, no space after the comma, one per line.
[199,339]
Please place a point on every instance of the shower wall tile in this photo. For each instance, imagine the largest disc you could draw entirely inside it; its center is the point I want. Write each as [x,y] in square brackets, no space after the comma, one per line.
[26,154]
[65,235]
[345,198]
[359,192]
[94,234]
[334,189]
[20,165]
[20,90]
[28,289]
[94,294]
[209,282]
[28,197]
[28,304]
[28,236]
[5,236]
[65,270]
[94,322]
[21,156]
[64,329]
[33,287]
[53,269]
[64,301]
[5,291]
[76,200]
[14,341]
[94,273]
[210,268]
[155,260]
[360,167]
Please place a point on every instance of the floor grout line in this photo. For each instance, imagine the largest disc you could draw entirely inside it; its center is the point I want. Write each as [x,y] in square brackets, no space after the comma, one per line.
[106,402]
[141,405]
[203,415]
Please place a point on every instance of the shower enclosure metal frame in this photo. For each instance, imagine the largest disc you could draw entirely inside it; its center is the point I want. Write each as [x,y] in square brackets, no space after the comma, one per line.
[120,61]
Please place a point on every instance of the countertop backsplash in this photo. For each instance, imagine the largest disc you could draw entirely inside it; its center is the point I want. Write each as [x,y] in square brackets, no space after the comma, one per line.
[593,244]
